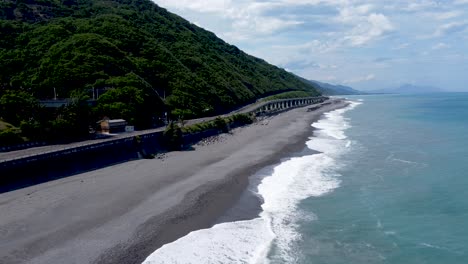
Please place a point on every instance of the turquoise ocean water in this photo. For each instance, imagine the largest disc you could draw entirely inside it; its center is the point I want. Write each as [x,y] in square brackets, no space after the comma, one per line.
[403,194]
[389,185]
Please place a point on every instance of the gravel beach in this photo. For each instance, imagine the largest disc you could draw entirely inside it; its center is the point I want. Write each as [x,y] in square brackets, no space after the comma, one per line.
[122,213]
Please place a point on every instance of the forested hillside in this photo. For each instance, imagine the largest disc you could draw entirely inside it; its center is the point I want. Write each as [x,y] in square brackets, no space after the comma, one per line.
[135,57]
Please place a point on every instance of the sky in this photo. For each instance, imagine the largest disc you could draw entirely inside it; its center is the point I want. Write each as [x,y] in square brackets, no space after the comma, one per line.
[365,44]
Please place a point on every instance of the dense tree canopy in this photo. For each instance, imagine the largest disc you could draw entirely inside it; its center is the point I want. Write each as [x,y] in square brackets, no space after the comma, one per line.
[140,58]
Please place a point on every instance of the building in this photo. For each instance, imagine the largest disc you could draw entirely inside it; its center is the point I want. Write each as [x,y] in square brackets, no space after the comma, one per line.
[107,125]
[57,103]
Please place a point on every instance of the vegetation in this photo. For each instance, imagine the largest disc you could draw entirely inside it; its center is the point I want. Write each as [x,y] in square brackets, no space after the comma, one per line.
[4,125]
[221,124]
[173,137]
[9,134]
[138,60]
[289,95]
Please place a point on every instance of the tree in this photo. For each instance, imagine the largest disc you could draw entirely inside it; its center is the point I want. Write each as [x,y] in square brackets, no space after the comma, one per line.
[132,99]
[17,106]
[173,137]
[10,137]
[133,49]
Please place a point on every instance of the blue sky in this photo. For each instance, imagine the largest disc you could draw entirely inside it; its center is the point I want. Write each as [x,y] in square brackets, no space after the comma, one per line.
[366,44]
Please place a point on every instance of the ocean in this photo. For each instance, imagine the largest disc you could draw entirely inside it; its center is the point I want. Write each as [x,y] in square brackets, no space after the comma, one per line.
[388,183]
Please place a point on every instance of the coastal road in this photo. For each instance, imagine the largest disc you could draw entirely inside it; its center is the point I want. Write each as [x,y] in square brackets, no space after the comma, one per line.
[18,154]
[122,213]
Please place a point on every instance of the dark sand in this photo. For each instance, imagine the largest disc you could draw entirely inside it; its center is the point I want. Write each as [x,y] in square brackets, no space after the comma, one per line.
[121,214]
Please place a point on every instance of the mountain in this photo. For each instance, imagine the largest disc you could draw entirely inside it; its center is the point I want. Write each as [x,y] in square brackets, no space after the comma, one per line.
[330,89]
[138,58]
[409,89]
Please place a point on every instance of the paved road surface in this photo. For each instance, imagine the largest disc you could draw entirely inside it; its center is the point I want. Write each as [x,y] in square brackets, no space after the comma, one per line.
[6,156]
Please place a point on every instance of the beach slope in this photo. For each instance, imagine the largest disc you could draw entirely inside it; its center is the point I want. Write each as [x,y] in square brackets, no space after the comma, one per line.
[123,213]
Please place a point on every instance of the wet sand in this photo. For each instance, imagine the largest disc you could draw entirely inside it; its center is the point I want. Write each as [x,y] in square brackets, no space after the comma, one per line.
[122,213]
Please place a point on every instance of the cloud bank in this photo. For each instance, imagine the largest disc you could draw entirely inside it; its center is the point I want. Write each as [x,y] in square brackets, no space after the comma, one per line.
[304,36]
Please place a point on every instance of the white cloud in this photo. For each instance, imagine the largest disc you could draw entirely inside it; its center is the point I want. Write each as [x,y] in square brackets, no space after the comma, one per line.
[401,46]
[353,14]
[198,5]
[448,15]
[416,6]
[263,25]
[338,39]
[250,18]
[247,18]
[366,78]
[327,78]
[440,46]
[452,27]
[375,26]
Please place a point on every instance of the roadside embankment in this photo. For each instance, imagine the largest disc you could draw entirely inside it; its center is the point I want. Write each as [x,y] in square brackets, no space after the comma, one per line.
[122,213]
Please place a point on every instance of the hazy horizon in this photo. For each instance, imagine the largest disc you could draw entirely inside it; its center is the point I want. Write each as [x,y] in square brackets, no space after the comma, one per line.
[361,43]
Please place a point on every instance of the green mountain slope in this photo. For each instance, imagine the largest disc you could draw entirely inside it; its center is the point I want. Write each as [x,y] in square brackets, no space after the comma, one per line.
[139,55]
[330,89]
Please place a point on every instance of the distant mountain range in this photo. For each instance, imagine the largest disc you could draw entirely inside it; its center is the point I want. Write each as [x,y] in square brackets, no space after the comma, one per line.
[408,89]
[330,89]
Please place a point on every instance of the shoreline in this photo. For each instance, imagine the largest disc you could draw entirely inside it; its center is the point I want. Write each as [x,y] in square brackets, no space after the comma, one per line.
[160,202]
[196,216]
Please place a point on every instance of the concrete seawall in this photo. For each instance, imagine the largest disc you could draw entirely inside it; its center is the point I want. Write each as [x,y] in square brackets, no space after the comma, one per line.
[23,171]
[49,166]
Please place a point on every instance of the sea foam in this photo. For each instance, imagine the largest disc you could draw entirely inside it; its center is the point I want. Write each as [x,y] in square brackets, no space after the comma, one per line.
[290,182]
